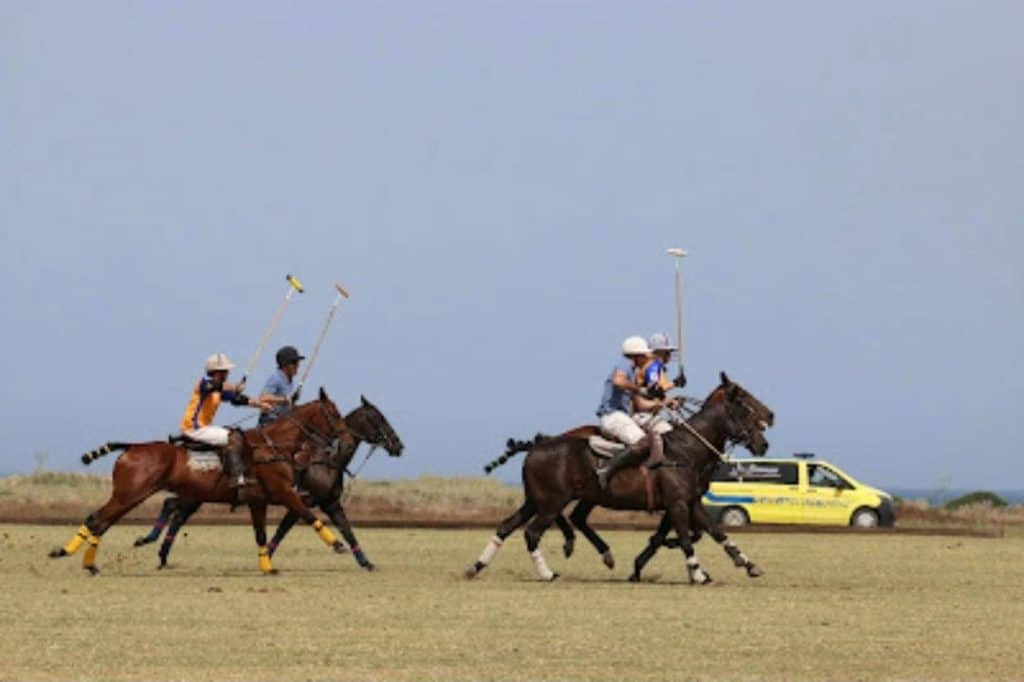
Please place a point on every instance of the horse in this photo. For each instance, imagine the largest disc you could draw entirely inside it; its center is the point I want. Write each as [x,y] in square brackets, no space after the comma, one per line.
[146,468]
[323,479]
[560,469]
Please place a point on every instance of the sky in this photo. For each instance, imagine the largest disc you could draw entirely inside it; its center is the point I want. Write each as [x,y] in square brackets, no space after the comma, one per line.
[496,184]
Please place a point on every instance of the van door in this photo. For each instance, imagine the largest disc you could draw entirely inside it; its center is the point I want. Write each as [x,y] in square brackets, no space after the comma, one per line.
[829,499]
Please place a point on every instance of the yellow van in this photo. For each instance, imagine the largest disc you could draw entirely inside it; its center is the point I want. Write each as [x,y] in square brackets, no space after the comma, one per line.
[797,490]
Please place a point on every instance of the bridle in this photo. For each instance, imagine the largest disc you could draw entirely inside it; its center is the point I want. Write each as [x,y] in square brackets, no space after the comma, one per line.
[743,435]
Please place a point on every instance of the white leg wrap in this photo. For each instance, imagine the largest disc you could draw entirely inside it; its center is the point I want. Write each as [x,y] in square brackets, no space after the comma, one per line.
[541,565]
[729,544]
[490,550]
[695,570]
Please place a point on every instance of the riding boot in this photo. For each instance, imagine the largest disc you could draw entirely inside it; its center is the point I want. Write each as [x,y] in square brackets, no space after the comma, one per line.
[235,466]
[627,457]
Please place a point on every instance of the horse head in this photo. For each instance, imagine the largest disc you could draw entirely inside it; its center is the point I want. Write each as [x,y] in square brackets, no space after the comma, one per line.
[747,417]
[370,425]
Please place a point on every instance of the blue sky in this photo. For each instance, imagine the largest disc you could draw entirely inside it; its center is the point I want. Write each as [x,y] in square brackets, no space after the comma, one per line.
[497,183]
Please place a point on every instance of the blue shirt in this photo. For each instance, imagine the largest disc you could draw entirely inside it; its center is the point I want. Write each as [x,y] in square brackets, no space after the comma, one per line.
[614,398]
[280,385]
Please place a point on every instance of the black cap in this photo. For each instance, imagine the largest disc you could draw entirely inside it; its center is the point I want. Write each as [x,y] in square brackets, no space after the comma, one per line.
[287,355]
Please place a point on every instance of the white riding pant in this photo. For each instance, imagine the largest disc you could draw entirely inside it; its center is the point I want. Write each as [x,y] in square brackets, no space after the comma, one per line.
[652,421]
[621,427]
[211,435]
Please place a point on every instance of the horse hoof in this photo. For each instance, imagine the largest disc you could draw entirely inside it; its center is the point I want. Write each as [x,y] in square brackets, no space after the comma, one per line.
[92,570]
[635,578]
[339,547]
[57,553]
[140,541]
[609,560]
[754,571]
[470,573]
[567,549]
[553,578]
[370,566]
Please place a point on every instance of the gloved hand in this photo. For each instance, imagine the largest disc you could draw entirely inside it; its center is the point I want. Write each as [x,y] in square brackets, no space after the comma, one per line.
[680,380]
[655,392]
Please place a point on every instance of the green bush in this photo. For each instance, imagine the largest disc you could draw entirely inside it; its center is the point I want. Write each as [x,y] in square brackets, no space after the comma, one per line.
[977,497]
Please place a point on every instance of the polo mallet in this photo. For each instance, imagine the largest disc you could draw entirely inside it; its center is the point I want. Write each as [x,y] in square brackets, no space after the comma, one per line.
[293,286]
[342,294]
[679,254]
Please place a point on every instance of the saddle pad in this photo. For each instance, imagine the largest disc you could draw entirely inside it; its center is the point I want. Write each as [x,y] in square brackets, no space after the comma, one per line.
[603,447]
[203,461]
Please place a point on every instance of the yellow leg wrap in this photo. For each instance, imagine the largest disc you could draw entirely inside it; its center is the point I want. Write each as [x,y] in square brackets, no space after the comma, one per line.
[89,558]
[265,560]
[324,532]
[75,544]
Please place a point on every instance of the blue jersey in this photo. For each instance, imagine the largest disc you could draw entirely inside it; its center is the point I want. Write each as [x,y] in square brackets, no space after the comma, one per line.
[280,385]
[652,373]
[614,399]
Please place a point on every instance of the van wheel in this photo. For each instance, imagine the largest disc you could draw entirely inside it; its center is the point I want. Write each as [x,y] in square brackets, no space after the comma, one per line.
[734,517]
[864,518]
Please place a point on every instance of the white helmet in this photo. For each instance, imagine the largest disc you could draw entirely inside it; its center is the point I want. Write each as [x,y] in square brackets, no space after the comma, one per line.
[660,341]
[218,361]
[635,345]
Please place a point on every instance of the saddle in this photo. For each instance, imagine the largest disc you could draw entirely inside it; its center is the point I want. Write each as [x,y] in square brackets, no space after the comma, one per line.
[201,456]
[602,449]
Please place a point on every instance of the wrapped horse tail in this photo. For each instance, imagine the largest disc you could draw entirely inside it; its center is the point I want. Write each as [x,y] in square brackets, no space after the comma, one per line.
[105,449]
[512,448]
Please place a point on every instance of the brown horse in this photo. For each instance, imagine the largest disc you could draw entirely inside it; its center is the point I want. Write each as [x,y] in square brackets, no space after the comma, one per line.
[146,468]
[322,478]
[561,469]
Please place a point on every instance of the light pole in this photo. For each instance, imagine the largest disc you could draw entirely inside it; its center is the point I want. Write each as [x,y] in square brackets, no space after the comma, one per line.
[679,254]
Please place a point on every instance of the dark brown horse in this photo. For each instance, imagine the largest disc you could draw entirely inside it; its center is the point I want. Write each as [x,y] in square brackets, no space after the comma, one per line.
[146,468]
[322,478]
[561,469]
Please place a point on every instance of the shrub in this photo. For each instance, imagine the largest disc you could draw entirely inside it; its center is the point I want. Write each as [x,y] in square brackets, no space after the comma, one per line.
[977,497]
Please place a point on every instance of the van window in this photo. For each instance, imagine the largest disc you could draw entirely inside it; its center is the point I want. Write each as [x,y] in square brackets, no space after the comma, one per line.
[823,477]
[783,473]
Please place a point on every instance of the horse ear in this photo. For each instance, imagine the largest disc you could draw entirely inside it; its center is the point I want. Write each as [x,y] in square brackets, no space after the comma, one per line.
[323,395]
[724,377]
[364,401]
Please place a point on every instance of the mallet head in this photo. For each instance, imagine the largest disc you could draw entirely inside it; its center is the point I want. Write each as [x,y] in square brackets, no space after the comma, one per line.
[341,290]
[678,253]
[296,284]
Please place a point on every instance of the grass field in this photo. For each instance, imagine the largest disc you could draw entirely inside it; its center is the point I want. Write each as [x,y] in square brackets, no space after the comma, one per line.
[831,607]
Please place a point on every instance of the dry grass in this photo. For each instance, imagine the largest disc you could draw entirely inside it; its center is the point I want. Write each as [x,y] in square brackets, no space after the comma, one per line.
[831,607]
[53,496]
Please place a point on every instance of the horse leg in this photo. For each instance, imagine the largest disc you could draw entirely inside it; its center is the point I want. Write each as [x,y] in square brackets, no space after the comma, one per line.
[739,559]
[534,531]
[337,514]
[282,530]
[680,512]
[168,508]
[279,488]
[505,528]
[653,544]
[579,519]
[97,523]
[258,515]
[181,516]
[568,533]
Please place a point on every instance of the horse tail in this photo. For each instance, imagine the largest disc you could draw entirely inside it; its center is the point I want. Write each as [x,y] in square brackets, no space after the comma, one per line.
[512,448]
[105,449]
